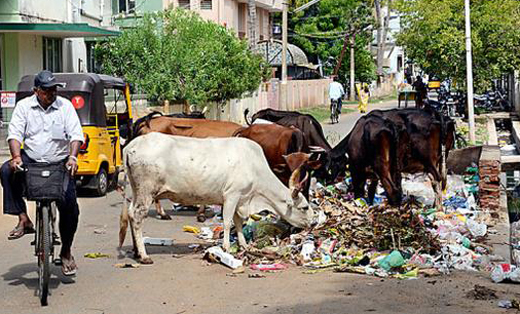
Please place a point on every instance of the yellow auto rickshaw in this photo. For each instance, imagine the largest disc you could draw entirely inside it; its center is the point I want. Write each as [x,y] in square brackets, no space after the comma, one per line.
[105,111]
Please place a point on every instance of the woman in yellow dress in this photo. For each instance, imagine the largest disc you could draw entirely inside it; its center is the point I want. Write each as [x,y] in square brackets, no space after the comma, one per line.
[363,96]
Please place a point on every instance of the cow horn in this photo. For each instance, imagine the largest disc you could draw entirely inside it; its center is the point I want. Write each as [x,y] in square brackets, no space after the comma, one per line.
[192,108]
[316,149]
[300,185]
[293,183]
[205,109]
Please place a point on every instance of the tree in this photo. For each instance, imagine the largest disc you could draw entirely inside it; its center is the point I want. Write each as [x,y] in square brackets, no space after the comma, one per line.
[433,37]
[323,29]
[176,55]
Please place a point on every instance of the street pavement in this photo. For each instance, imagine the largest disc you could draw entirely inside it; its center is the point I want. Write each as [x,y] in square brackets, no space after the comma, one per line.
[181,282]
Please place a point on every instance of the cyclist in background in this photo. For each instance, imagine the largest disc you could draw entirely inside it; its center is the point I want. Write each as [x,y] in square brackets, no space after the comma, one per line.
[50,130]
[336,92]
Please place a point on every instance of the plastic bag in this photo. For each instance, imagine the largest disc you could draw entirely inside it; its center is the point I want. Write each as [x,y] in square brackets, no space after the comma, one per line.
[394,259]
[476,229]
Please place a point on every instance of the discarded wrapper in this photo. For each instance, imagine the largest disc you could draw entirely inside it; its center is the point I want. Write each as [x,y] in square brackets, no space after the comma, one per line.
[158,241]
[227,259]
[96,255]
[268,267]
[191,229]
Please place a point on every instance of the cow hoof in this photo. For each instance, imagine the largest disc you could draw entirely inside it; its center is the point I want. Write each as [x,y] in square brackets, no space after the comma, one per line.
[201,218]
[166,217]
[146,261]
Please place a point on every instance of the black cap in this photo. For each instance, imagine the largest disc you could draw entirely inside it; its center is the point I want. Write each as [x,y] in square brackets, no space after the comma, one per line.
[46,79]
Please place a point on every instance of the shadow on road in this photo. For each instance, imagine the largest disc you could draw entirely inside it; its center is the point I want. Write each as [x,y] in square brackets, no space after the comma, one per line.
[27,275]
[175,249]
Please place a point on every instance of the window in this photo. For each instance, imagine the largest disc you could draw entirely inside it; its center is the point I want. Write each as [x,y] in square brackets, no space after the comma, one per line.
[206,5]
[52,54]
[126,6]
[92,63]
[185,4]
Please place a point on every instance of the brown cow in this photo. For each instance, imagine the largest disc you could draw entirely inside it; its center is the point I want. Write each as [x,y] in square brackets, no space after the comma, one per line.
[276,141]
[199,128]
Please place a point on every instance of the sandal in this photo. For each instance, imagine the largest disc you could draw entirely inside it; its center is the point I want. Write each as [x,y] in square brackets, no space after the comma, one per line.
[68,266]
[16,233]
[20,231]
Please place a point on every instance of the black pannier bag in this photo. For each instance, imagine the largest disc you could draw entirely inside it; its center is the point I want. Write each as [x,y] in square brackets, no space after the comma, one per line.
[46,181]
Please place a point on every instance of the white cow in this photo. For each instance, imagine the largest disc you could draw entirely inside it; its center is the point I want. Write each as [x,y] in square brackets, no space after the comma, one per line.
[229,171]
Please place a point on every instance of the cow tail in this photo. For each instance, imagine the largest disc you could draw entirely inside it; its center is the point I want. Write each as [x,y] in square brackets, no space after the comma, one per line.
[246,112]
[444,173]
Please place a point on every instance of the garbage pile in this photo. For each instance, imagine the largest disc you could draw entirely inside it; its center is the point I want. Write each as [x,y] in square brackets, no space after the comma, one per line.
[375,240]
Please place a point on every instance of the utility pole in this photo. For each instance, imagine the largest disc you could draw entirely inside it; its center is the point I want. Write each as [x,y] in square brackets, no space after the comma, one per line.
[469,73]
[284,42]
[283,85]
[352,69]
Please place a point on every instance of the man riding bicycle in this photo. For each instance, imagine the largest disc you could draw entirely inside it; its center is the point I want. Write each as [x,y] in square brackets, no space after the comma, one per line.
[50,130]
[336,92]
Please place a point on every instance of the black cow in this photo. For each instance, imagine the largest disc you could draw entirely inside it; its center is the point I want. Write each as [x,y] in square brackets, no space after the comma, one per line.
[372,153]
[430,137]
[310,127]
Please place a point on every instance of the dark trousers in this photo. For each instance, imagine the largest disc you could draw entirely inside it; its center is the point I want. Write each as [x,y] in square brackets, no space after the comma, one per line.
[14,204]
[340,104]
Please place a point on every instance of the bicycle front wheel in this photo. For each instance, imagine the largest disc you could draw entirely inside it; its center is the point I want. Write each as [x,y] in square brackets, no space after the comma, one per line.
[44,253]
[333,113]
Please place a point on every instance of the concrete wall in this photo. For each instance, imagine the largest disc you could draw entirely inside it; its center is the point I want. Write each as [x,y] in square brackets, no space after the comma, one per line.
[30,57]
[48,10]
[514,83]
[11,69]
[301,94]
[233,14]
[9,9]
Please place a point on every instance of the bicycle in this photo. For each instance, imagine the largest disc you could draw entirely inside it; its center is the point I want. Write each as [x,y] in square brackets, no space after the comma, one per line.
[45,183]
[334,111]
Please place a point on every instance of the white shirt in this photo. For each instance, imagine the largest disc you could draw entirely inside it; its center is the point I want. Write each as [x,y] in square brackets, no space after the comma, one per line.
[45,134]
[336,90]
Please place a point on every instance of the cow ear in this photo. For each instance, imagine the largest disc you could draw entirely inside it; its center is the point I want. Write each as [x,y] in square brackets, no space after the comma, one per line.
[295,160]
[315,164]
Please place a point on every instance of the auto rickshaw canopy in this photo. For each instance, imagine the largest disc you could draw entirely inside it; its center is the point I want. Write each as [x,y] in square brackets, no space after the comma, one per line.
[85,90]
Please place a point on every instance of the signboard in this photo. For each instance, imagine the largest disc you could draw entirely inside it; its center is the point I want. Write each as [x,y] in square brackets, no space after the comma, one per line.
[7,99]
[78,102]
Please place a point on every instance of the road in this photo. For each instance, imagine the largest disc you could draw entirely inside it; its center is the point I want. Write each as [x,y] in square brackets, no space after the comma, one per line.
[181,282]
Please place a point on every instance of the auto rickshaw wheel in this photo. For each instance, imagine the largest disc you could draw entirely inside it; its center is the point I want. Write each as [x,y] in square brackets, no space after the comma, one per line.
[101,182]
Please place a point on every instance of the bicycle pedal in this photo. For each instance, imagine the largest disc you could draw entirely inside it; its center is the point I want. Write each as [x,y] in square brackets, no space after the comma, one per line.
[55,239]
[58,262]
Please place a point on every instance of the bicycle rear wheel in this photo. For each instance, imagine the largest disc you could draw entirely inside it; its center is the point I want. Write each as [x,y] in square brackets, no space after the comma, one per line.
[333,112]
[44,253]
